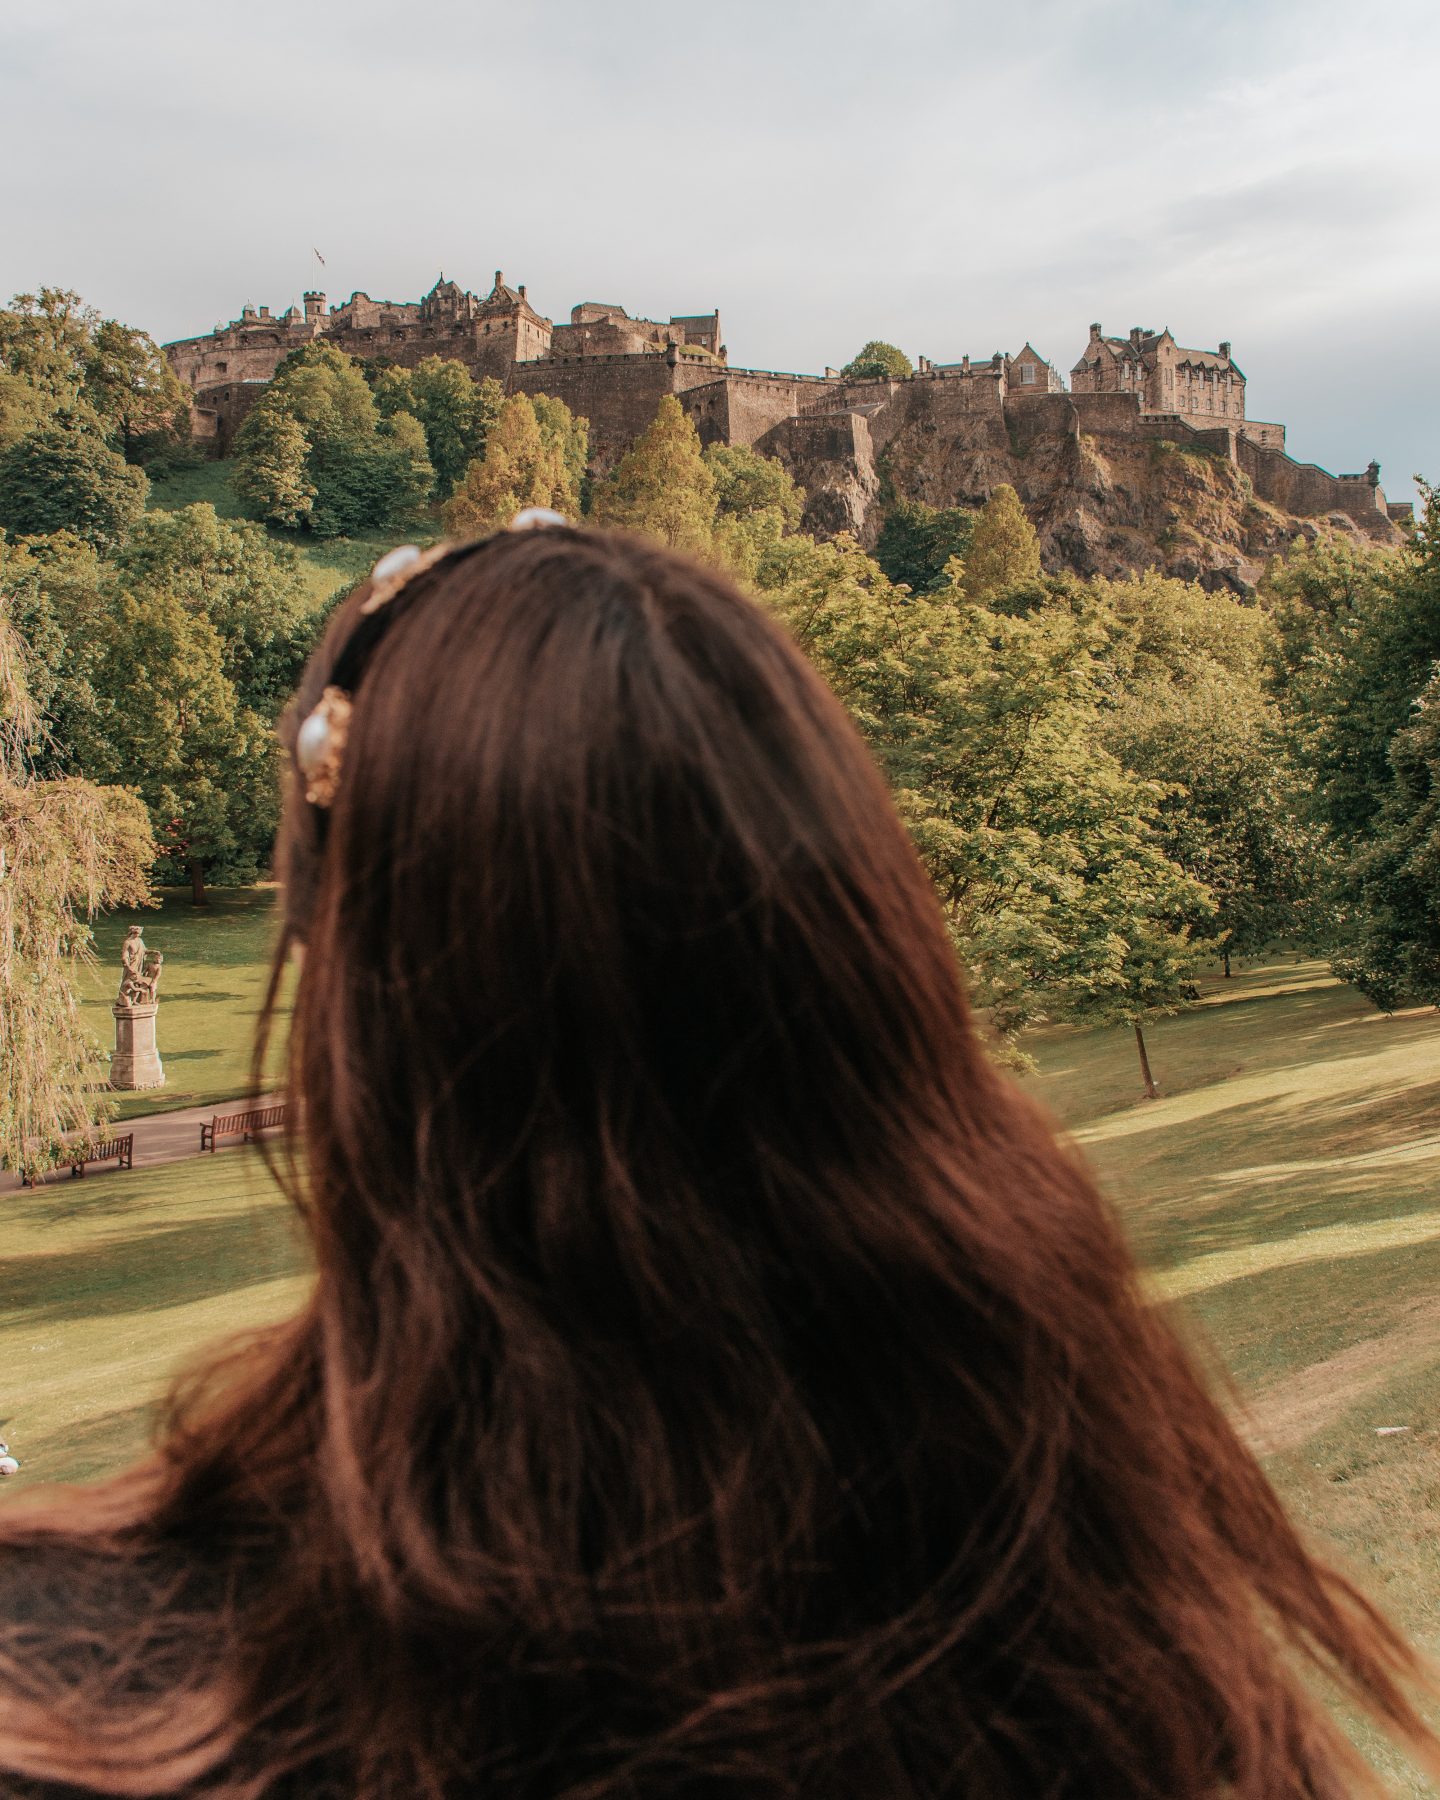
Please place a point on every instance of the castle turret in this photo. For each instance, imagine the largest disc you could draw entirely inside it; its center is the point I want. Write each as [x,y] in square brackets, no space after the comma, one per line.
[314,307]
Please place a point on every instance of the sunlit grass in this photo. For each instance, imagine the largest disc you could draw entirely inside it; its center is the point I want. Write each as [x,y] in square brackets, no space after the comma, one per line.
[1284,1194]
[327,565]
[109,1286]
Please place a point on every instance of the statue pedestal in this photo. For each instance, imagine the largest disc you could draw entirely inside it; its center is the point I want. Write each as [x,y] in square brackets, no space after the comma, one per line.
[136,1062]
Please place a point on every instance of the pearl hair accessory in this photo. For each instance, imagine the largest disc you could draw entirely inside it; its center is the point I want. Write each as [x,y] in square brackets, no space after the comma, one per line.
[320,741]
[320,744]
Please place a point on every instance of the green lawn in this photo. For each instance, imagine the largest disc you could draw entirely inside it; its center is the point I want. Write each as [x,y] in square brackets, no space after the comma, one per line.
[1281,1193]
[329,565]
[109,1286]
[217,962]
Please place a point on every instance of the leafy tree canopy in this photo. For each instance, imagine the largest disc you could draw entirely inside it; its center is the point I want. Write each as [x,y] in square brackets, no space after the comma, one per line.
[917,541]
[247,586]
[879,361]
[1004,551]
[95,374]
[317,452]
[1047,854]
[59,479]
[524,465]
[757,504]
[662,486]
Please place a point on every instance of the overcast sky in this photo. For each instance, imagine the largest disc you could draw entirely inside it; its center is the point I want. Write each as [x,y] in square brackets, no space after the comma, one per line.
[954,177]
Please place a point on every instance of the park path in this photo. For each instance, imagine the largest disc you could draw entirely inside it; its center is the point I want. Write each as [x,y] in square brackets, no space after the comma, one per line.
[159,1138]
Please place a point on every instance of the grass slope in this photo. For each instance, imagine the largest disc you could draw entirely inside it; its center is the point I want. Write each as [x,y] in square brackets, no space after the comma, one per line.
[327,564]
[1283,1194]
[217,960]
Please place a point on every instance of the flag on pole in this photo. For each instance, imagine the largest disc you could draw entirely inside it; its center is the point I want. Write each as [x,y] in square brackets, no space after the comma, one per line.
[318,257]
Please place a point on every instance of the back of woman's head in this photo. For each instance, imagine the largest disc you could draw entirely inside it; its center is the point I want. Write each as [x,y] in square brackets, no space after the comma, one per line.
[717,1380]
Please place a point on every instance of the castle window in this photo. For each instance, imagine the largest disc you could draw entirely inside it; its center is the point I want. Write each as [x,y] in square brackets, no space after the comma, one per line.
[1027,374]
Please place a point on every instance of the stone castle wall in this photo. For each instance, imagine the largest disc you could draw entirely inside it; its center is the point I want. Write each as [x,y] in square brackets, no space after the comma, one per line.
[613,370]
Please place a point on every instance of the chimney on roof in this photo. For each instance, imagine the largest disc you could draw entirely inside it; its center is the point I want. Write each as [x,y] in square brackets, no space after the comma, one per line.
[1135,335]
[1094,331]
[1225,349]
[521,290]
[499,279]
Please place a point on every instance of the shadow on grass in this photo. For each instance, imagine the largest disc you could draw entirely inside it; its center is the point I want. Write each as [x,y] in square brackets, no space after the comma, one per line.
[156,1270]
[1269,1168]
[1270,1322]
[97,1447]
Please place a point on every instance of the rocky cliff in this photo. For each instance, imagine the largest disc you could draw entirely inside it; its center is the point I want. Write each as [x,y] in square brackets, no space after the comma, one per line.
[1103,503]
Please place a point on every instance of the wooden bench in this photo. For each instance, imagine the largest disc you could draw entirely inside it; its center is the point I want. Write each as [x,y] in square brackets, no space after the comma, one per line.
[121,1149]
[244,1125]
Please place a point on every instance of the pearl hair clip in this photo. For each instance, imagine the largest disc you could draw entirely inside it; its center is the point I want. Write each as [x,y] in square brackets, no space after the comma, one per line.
[321,739]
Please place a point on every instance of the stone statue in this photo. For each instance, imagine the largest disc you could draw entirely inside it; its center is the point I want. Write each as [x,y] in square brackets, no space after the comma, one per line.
[132,969]
[150,973]
[136,1062]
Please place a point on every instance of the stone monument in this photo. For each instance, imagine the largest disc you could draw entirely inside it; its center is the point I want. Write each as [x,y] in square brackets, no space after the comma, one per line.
[136,1062]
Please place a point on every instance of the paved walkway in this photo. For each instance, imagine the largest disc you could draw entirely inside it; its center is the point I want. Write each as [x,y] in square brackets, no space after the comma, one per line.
[159,1138]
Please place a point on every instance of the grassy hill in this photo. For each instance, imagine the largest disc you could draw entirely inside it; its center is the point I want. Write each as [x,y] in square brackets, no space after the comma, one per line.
[327,563]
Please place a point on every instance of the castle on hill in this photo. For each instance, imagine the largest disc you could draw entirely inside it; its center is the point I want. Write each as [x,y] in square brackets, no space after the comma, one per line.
[613,370]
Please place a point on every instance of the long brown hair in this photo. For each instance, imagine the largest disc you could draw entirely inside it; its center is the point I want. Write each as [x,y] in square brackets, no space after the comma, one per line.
[717,1381]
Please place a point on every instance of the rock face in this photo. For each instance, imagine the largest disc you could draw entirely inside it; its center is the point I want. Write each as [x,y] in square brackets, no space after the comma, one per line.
[1104,502]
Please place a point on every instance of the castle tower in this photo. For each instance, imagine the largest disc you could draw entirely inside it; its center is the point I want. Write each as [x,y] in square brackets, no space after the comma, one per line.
[314,307]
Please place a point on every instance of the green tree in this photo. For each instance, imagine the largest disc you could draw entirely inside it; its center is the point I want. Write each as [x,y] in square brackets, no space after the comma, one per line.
[129,382]
[879,361]
[917,541]
[1358,633]
[1193,713]
[521,467]
[1393,948]
[233,574]
[59,479]
[22,409]
[172,726]
[357,471]
[67,848]
[1359,643]
[95,374]
[570,437]
[326,391]
[662,486]
[747,483]
[1047,855]
[272,476]
[53,591]
[1004,551]
[757,505]
[45,340]
[457,413]
[392,386]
